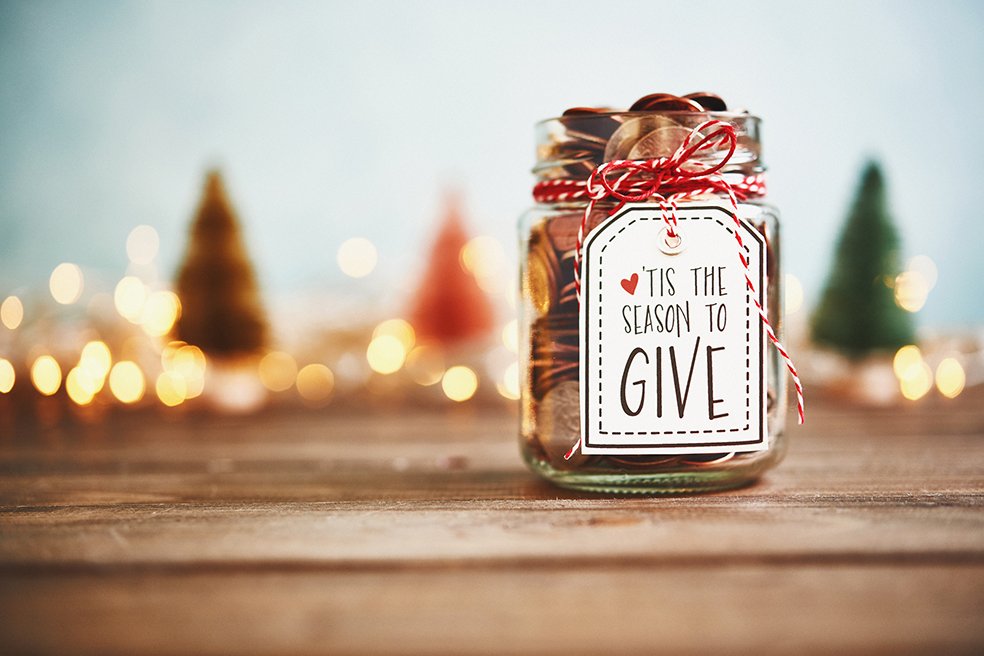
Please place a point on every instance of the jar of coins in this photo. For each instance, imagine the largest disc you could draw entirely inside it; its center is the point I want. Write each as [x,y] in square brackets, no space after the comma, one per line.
[651,301]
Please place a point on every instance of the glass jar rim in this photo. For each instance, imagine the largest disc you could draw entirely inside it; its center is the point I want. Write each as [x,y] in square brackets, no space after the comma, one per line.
[708,115]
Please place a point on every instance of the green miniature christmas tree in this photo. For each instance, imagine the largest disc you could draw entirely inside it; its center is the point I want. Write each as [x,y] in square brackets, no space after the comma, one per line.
[857,313]
[220,304]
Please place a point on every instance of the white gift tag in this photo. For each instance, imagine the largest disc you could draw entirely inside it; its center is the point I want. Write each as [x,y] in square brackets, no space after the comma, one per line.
[672,346]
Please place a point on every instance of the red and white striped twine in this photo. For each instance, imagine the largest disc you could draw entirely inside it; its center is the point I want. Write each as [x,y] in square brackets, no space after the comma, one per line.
[668,180]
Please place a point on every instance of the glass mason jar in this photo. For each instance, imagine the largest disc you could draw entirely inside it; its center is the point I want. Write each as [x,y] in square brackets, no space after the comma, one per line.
[571,147]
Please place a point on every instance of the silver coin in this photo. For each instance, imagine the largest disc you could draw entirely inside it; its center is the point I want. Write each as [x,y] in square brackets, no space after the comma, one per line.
[559,423]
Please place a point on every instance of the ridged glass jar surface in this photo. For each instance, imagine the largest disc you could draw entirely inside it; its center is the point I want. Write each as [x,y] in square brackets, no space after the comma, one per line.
[549,322]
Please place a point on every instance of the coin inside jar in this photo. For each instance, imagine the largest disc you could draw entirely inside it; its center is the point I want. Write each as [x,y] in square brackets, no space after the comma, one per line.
[541,275]
[661,142]
[559,422]
[633,130]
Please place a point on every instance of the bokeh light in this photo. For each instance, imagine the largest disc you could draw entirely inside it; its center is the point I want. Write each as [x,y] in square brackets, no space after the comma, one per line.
[357,257]
[187,361]
[793,294]
[171,388]
[917,382]
[66,283]
[129,297]
[950,378]
[386,354]
[509,387]
[142,244]
[425,364]
[11,312]
[7,376]
[46,375]
[398,328]
[315,383]
[484,258]
[459,383]
[160,311]
[96,360]
[911,291]
[278,371]
[126,382]
[906,360]
[81,386]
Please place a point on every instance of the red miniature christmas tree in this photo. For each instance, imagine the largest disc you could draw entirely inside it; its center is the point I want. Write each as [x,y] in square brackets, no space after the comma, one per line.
[450,308]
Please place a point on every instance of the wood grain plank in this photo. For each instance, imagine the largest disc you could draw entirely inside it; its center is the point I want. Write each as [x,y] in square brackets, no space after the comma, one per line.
[722,610]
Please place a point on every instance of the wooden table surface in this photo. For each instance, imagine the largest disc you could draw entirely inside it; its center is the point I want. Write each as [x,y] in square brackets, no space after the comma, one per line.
[423,533]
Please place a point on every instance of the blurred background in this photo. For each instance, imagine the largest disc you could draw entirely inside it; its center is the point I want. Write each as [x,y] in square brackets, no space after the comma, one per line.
[231,206]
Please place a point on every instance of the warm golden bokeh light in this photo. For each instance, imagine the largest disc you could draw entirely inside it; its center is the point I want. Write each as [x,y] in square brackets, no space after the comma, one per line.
[129,298]
[425,364]
[7,376]
[96,360]
[315,383]
[11,312]
[950,378]
[911,291]
[793,294]
[160,311]
[357,257]
[510,336]
[509,387]
[398,328]
[142,244]
[278,371]
[917,382]
[66,283]
[46,375]
[386,354]
[81,386]
[187,361]
[171,388]
[459,383]
[484,258]
[126,382]
[906,360]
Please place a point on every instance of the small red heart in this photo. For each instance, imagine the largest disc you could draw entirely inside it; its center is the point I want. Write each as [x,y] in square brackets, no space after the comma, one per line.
[629,284]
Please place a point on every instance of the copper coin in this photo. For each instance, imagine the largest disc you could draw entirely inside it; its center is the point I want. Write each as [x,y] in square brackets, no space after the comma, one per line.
[641,104]
[711,102]
[633,130]
[662,142]
[656,103]
[581,111]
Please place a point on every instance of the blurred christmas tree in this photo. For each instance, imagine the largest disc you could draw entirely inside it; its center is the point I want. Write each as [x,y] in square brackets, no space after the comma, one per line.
[857,312]
[450,308]
[220,305]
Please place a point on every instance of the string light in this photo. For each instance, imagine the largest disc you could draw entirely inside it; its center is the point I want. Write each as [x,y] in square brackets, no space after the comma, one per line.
[126,382]
[66,283]
[315,383]
[7,376]
[11,312]
[357,257]
[46,375]
[278,371]
[950,378]
[142,244]
[386,354]
[459,383]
